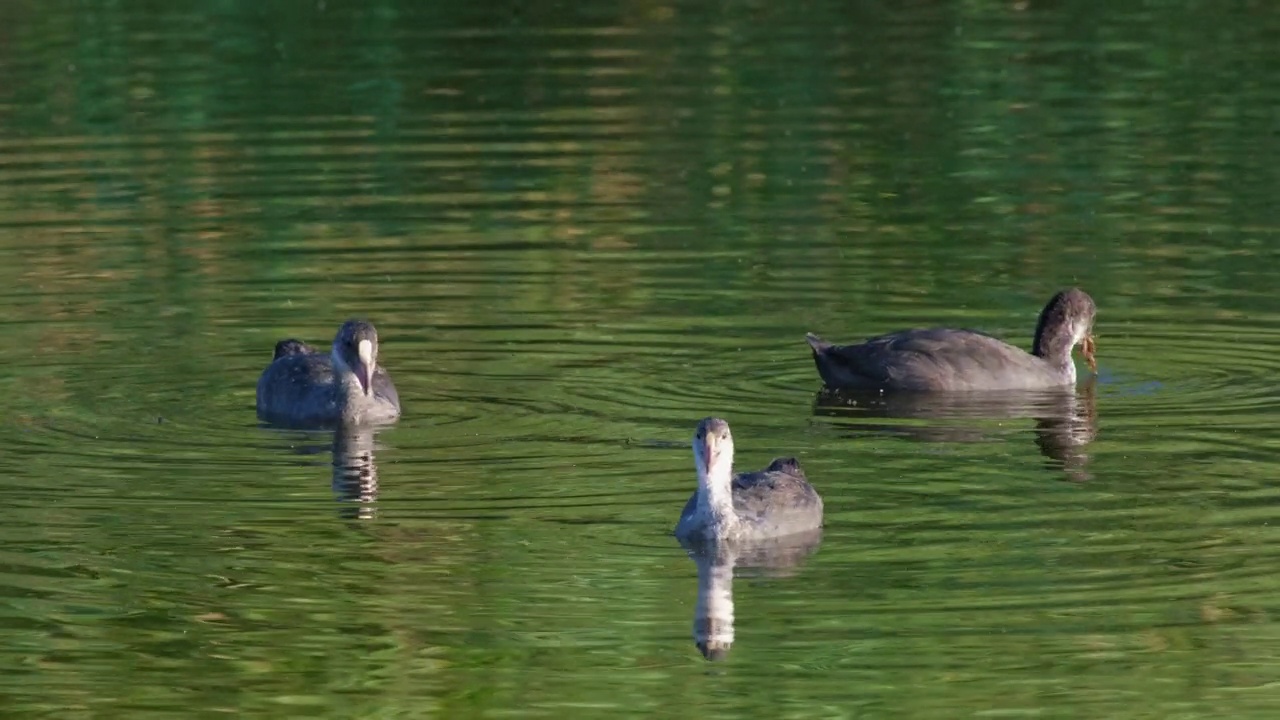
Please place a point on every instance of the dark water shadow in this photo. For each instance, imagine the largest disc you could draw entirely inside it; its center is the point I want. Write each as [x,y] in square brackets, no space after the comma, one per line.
[718,562]
[1066,420]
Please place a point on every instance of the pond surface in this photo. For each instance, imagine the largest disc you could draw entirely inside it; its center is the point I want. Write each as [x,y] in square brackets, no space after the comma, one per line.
[580,228]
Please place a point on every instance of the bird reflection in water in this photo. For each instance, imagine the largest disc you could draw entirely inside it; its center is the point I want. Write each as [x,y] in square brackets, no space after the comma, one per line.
[719,561]
[355,473]
[1066,421]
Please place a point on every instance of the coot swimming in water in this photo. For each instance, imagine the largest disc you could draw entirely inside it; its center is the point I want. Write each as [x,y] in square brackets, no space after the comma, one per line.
[948,359]
[773,502]
[305,388]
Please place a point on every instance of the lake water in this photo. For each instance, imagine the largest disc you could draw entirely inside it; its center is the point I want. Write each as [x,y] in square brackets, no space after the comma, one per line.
[580,228]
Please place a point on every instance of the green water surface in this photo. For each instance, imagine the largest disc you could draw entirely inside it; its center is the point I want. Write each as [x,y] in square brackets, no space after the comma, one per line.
[581,227]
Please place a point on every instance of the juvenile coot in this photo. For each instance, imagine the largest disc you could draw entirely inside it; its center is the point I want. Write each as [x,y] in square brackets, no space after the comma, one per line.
[773,502]
[305,388]
[949,359]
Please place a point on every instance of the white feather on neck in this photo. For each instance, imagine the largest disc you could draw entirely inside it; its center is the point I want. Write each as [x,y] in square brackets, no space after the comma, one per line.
[715,490]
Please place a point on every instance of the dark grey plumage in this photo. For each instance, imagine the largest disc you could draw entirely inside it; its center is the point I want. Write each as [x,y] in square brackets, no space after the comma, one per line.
[952,359]
[305,388]
[778,496]
[291,347]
